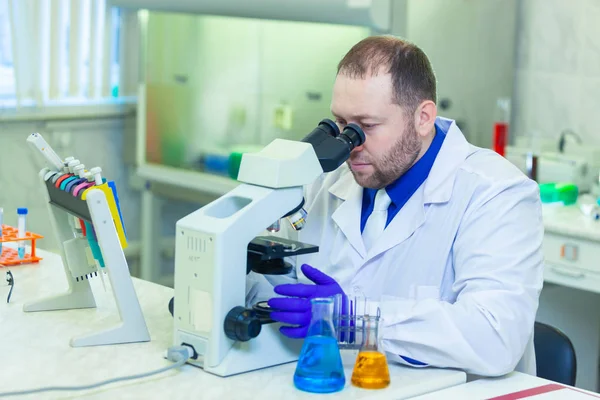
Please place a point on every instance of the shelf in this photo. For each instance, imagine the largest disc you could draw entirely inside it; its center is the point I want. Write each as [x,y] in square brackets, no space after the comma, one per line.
[191,180]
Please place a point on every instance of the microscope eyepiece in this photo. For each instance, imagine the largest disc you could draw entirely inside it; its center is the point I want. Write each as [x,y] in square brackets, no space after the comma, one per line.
[332,147]
[353,135]
[330,127]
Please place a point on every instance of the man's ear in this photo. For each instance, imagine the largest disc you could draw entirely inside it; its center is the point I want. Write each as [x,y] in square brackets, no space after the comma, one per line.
[424,117]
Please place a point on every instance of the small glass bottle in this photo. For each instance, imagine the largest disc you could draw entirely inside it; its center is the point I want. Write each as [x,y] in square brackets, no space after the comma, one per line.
[371,369]
[501,126]
[320,368]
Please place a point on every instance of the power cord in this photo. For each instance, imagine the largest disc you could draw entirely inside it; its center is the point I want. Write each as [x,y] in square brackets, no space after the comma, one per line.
[177,354]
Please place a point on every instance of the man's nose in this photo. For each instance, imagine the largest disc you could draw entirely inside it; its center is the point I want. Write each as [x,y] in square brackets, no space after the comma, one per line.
[358,149]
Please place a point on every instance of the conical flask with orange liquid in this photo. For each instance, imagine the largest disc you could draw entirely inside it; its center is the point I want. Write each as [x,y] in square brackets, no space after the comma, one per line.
[371,368]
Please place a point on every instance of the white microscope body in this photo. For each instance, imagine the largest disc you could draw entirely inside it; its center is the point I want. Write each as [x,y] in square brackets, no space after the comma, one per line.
[212,251]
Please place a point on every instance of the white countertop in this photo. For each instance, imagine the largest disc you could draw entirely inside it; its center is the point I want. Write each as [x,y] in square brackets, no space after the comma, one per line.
[570,221]
[526,385]
[35,351]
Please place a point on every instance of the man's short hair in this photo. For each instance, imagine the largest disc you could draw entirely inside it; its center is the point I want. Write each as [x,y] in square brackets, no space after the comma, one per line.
[412,75]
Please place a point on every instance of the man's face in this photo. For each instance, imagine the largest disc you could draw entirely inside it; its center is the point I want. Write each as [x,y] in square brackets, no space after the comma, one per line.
[392,144]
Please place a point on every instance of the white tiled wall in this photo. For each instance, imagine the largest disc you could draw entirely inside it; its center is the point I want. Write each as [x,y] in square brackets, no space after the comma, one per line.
[95,143]
[557,83]
[471,46]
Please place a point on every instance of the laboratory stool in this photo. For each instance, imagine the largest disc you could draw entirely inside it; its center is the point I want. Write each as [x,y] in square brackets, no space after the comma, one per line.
[554,354]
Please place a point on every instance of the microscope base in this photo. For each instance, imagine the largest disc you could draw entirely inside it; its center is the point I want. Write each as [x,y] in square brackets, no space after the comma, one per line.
[269,349]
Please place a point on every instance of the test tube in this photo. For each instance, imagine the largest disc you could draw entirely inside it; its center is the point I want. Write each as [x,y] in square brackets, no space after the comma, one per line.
[22,214]
[1,218]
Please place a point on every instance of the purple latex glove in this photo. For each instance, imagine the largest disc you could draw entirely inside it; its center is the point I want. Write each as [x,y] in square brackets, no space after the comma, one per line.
[296,309]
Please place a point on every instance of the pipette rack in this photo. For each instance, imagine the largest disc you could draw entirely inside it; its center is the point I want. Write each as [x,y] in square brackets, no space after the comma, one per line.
[94,205]
[10,256]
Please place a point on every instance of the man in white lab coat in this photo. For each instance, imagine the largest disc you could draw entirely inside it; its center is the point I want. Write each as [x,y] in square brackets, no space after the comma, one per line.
[444,235]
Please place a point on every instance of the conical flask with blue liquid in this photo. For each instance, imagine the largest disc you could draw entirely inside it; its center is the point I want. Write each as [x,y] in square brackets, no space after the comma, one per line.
[319,368]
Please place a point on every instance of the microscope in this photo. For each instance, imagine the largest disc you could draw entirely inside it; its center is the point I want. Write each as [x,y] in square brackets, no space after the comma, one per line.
[217,246]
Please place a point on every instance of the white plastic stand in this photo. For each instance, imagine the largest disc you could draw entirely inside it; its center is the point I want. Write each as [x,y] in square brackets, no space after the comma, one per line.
[80,295]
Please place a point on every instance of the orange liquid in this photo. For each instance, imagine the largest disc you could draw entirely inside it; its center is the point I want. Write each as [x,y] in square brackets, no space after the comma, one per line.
[371,370]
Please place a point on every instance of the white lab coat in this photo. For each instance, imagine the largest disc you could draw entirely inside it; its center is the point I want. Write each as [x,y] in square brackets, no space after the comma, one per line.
[457,272]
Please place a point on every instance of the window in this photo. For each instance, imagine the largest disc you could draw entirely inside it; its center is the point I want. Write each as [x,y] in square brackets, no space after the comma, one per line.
[7,78]
[55,52]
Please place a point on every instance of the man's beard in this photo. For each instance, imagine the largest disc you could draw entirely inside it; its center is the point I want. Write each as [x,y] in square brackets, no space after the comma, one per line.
[394,163]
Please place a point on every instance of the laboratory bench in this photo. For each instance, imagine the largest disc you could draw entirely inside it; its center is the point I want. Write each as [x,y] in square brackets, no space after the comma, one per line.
[35,351]
[571,248]
[571,295]
[512,386]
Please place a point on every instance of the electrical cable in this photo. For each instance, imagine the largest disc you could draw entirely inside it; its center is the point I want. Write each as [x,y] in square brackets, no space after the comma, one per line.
[179,354]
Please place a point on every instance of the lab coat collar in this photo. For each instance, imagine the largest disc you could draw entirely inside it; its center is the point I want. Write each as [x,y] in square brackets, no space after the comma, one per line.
[405,223]
[347,215]
[455,149]
[437,189]
[346,187]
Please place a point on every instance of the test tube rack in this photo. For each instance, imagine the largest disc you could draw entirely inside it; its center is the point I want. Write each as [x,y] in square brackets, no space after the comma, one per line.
[93,205]
[9,256]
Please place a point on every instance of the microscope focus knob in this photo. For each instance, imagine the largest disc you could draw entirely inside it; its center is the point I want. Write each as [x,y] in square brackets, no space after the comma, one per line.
[242,324]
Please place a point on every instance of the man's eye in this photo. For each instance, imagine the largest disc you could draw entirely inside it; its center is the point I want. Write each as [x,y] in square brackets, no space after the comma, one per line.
[368,126]
[340,122]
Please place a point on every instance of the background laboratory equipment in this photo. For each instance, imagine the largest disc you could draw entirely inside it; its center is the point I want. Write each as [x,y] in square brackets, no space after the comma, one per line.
[319,367]
[9,255]
[589,206]
[561,192]
[99,206]
[501,126]
[371,369]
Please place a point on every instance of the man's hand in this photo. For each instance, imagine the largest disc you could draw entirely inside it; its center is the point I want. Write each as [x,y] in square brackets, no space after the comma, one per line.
[296,309]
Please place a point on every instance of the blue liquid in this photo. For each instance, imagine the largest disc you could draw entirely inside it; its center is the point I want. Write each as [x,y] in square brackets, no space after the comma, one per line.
[21,251]
[319,368]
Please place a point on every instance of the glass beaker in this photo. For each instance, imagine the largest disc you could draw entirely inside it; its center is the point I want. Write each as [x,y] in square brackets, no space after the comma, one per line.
[371,369]
[320,368]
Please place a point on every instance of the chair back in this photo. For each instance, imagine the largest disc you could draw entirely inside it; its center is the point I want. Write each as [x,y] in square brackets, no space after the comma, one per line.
[554,355]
